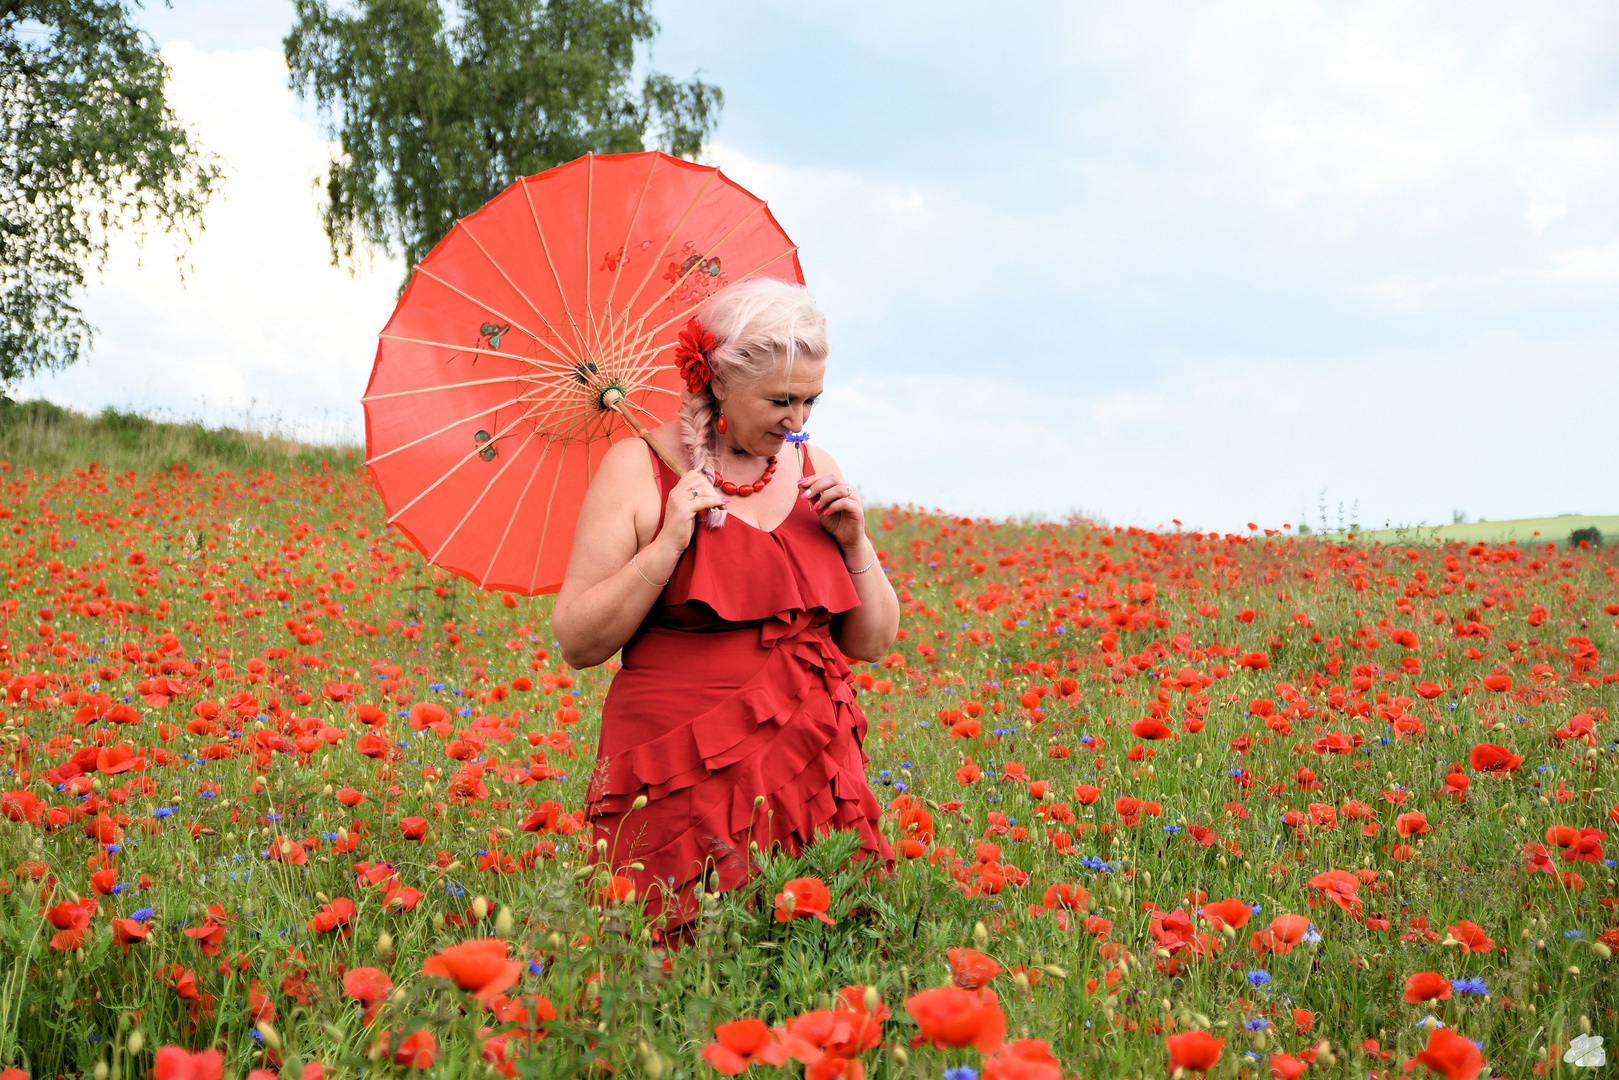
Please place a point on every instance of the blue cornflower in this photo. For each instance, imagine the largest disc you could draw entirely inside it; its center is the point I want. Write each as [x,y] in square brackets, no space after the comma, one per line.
[1258,1023]
[142,914]
[1573,934]
[536,968]
[1258,977]
[163,811]
[1172,828]
[797,436]
[961,1072]
[1471,986]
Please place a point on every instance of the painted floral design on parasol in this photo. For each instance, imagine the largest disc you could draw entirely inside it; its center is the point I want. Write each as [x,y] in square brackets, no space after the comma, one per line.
[537,333]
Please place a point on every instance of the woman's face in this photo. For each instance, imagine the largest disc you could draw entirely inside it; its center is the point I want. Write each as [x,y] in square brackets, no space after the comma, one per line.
[760,415]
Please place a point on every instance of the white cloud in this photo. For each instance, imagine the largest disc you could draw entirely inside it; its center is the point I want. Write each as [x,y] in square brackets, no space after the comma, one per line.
[261,319]
[1494,427]
[1263,247]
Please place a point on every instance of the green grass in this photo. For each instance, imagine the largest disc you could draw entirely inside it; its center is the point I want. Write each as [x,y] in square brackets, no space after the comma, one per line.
[1542,530]
[276,595]
[50,439]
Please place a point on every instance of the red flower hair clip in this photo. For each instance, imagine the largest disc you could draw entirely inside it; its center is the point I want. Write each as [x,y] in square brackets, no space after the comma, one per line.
[691,356]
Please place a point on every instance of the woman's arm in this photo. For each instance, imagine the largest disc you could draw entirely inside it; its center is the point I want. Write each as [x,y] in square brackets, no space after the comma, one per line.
[603,597]
[869,629]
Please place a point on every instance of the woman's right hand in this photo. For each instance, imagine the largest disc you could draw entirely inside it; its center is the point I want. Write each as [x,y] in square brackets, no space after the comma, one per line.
[693,495]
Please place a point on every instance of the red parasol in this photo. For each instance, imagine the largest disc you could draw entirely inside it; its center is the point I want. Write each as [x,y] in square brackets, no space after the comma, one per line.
[535,335]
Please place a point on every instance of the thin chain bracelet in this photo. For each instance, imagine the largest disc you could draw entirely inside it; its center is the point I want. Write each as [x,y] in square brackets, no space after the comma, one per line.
[868,566]
[652,583]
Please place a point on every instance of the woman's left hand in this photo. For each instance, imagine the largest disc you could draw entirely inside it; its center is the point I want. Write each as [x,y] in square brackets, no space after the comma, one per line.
[838,505]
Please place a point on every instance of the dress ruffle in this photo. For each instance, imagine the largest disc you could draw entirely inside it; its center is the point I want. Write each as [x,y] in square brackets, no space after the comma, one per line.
[733,689]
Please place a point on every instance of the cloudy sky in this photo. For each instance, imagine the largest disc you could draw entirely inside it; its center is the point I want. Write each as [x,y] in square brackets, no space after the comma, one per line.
[1146,261]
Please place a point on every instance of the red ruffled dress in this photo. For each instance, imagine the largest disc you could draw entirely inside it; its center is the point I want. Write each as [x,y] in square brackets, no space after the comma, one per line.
[733,687]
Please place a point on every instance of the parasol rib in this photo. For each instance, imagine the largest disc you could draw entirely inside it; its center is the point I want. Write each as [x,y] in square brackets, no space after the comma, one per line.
[497,313]
[652,269]
[517,509]
[434,434]
[643,336]
[451,471]
[562,295]
[446,386]
[562,377]
[502,272]
[487,488]
[629,233]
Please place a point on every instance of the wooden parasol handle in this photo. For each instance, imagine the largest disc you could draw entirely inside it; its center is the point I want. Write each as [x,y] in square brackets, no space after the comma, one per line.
[613,398]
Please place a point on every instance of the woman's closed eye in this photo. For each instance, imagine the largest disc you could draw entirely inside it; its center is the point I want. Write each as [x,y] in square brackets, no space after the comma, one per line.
[782,403]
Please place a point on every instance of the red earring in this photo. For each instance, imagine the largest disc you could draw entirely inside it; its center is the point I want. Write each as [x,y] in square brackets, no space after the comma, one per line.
[721,425]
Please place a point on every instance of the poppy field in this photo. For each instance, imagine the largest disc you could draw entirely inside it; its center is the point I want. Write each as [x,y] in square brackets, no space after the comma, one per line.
[280,799]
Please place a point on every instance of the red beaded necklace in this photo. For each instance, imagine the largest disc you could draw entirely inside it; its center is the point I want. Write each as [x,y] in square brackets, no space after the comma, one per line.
[732,488]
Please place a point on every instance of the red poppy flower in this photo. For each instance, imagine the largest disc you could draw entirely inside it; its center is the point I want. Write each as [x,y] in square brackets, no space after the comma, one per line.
[1233,913]
[479,966]
[1450,1055]
[1470,936]
[1412,824]
[804,898]
[416,1050]
[1427,986]
[952,1017]
[178,1063]
[338,915]
[1024,1059]
[970,968]
[1196,1051]
[370,987]
[740,1043]
[127,932]
[1488,757]
[1151,728]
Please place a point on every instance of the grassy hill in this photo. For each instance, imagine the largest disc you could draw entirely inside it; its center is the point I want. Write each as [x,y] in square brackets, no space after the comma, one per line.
[51,439]
[1524,530]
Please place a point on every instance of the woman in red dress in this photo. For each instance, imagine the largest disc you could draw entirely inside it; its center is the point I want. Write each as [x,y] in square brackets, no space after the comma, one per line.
[731,721]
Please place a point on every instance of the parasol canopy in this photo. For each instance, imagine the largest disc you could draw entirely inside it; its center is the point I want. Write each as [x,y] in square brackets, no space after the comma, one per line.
[536,334]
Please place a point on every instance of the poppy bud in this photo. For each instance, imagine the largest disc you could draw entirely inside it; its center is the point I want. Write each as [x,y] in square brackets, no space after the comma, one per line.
[637,866]
[871,1001]
[1585,1024]
[901,1058]
[1601,949]
[1055,971]
[480,908]
[271,1037]
[503,922]
[385,945]
[640,801]
[102,1070]
[137,1041]
[601,846]
[1324,1054]
[980,936]
[323,898]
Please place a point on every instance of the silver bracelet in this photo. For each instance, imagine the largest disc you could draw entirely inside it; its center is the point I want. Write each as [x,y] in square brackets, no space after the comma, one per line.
[648,580]
[868,566]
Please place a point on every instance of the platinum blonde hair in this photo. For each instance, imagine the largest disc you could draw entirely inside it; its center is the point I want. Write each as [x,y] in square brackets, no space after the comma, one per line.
[758,326]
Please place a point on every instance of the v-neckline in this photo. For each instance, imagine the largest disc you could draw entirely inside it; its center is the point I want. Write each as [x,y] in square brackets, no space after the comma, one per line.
[772,532]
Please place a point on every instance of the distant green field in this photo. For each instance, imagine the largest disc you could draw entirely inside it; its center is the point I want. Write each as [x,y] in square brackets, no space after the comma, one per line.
[1523,530]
